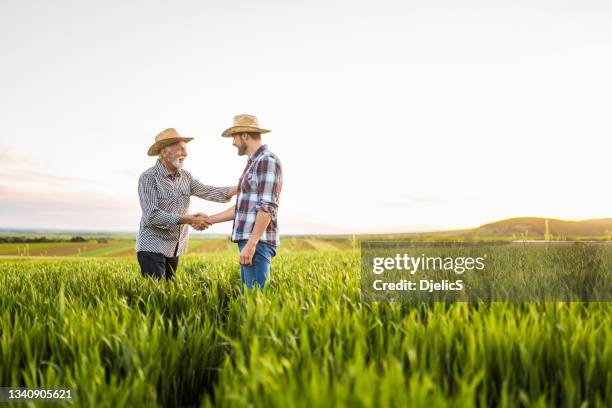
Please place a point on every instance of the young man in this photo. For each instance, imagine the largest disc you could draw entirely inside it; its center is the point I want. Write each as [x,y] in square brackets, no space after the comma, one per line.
[164,191]
[255,227]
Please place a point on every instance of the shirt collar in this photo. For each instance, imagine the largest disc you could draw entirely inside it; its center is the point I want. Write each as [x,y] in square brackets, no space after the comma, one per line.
[258,152]
[163,171]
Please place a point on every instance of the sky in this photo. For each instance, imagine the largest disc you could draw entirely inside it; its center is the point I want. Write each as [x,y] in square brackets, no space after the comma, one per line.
[388,116]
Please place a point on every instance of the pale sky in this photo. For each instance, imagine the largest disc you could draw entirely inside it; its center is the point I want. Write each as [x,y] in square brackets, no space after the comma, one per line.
[387,116]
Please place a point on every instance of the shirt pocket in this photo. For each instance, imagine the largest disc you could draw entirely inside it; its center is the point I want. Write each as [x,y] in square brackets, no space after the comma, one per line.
[172,200]
[249,182]
[165,201]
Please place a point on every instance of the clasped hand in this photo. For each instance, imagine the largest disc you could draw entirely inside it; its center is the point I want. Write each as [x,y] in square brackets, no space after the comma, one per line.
[200,221]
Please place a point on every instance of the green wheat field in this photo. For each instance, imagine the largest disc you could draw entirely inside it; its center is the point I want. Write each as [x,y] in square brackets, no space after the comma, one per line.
[90,322]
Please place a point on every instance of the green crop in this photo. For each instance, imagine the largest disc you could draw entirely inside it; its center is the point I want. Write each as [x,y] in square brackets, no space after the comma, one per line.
[120,340]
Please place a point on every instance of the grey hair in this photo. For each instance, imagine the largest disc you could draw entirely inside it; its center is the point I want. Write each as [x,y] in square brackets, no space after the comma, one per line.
[163,149]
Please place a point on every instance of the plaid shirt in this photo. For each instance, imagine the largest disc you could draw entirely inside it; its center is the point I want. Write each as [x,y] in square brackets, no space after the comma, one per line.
[259,189]
[163,199]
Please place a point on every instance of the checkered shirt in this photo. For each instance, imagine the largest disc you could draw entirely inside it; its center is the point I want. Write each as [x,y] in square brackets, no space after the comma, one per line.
[259,189]
[163,199]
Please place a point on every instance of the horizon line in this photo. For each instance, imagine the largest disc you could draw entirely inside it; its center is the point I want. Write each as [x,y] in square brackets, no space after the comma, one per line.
[436,230]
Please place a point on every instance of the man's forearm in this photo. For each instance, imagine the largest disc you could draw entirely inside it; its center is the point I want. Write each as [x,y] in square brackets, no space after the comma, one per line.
[223,216]
[210,193]
[261,223]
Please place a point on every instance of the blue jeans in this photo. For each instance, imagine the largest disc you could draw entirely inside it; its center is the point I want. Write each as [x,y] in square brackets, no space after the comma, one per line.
[257,273]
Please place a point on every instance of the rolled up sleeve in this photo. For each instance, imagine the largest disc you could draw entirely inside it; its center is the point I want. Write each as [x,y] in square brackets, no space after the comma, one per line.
[269,183]
[152,215]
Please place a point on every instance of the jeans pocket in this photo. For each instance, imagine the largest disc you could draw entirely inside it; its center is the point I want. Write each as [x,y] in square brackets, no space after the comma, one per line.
[267,252]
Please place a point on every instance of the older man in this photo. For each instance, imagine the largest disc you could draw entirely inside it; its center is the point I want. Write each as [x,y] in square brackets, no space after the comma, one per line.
[165,190]
[255,227]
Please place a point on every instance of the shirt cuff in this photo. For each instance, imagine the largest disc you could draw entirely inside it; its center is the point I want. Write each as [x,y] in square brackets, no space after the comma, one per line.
[267,207]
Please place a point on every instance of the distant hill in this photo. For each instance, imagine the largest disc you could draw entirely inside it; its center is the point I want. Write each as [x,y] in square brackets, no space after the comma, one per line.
[534,227]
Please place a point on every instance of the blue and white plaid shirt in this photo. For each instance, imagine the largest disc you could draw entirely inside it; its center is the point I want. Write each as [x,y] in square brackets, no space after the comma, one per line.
[163,199]
[259,189]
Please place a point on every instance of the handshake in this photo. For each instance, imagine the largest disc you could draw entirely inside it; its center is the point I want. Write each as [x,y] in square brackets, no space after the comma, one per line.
[199,221]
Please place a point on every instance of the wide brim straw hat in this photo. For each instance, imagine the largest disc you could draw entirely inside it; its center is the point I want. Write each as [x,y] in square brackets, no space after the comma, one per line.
[166,138]
[244,123]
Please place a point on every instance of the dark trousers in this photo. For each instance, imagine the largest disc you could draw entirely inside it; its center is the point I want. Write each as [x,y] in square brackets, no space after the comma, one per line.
[157,265]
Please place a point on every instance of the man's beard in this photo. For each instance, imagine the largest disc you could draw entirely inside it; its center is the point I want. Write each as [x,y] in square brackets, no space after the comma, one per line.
[242,149]
[176,162]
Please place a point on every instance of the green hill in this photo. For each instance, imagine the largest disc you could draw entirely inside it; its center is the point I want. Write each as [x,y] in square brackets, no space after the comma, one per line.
[534,227]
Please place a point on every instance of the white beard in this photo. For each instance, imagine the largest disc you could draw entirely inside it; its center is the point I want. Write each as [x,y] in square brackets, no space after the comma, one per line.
[177,163]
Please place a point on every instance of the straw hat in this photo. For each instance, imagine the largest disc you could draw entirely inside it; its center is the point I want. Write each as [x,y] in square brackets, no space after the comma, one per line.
[166,138]
[244,123]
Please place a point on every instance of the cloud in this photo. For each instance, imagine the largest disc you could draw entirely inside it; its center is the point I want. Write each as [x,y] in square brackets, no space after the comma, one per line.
[4,154]
[9,158]
[70,200]
[66,210]
[17,171]
[38,177]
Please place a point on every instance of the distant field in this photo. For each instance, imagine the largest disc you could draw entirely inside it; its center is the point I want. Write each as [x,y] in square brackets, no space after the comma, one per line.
[126,247]
[92,248]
